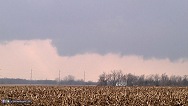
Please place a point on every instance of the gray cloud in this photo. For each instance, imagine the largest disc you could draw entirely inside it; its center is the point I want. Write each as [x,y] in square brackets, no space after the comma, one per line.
[149,28]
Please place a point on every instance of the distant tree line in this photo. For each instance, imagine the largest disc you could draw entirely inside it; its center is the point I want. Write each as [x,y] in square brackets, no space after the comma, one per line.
[117,77]
[68,80]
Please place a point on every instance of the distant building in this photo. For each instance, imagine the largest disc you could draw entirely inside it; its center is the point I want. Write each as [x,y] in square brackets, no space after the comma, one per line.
[121,83]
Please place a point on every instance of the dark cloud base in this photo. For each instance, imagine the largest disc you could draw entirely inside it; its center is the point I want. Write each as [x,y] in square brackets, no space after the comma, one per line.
[124,27]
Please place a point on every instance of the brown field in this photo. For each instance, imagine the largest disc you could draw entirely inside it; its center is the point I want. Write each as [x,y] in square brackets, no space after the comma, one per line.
[93,95]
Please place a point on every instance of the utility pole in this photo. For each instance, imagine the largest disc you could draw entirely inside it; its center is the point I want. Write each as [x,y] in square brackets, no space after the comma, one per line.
[84,77]
[31,74]
[0,75]
[59,76]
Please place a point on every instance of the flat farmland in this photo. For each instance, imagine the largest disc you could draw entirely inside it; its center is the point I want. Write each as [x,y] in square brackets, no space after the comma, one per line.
[95,95]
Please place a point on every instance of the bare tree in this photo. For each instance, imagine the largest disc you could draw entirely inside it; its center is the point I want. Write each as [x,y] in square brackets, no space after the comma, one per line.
[69,78]
[164,79]
[102,79]
[116,77]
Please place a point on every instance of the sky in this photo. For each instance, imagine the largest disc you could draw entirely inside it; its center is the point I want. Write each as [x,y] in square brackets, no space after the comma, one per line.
[135,36]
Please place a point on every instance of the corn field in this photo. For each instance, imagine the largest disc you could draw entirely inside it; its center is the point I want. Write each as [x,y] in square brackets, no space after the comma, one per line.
[95,95]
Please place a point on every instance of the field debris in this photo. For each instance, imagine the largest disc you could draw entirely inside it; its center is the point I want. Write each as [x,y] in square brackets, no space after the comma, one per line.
[96,95]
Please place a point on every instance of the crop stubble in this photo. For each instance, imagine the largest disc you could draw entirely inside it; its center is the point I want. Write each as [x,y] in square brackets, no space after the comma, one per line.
[97,95]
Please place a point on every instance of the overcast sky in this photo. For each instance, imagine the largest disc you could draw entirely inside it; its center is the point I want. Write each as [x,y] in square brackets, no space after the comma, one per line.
[144,28]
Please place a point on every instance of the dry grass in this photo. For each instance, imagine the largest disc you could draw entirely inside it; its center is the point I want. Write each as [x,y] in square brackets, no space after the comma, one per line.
[91,95]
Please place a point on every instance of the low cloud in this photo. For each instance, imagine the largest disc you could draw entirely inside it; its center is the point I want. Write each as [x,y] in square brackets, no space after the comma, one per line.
[75,27]
[18,57]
